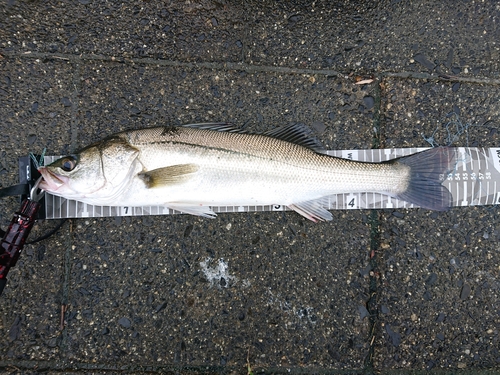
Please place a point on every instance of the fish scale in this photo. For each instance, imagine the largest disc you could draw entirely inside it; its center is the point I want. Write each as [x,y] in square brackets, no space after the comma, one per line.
[197,166]
[251,153]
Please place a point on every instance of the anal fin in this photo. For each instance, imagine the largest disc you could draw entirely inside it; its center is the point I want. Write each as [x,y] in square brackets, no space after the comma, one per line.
[313,210]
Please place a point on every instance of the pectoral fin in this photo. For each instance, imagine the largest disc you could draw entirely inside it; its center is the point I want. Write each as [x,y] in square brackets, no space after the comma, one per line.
[173,174]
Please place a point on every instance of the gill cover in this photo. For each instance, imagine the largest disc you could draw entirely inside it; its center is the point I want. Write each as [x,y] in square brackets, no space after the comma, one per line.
[117,157]
[100,170]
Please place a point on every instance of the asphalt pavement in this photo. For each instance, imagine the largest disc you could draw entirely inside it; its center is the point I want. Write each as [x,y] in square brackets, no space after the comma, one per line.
[379,291]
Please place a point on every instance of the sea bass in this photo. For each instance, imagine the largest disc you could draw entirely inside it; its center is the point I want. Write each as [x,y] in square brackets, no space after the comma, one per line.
[193,167]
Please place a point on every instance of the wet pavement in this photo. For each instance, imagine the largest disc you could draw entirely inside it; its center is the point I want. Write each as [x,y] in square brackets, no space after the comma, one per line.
[267,292]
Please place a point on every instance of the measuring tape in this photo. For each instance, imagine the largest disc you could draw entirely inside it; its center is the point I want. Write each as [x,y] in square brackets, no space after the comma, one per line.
[474,182]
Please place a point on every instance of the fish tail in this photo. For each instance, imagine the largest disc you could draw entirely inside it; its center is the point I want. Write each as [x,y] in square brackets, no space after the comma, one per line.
[427,171]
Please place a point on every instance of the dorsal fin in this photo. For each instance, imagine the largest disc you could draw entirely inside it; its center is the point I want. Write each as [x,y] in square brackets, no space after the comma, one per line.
[217,126]
[298,134]
[295,133]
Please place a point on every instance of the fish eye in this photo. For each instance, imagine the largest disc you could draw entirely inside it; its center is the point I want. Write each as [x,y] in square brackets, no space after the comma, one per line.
[68,164]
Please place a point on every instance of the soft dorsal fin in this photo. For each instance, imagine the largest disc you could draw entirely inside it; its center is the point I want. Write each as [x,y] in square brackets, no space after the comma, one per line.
[298,134]
[295,133]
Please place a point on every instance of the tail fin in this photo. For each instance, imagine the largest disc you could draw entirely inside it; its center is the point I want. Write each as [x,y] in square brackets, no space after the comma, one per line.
[428,168]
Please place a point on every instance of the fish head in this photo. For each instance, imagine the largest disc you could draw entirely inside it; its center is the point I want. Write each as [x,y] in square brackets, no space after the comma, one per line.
[97,173]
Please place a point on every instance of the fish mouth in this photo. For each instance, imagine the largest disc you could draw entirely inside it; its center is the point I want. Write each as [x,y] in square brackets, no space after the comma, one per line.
[51,182]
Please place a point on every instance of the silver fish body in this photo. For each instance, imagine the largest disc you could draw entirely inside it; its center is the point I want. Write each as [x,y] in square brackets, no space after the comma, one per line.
[194,167]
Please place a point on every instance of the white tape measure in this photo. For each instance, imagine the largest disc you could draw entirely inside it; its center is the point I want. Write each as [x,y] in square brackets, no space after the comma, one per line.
[474,182]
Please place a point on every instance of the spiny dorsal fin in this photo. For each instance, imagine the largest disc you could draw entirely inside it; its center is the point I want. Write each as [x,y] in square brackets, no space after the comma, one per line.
[217,126]
[173,174]
[295,133]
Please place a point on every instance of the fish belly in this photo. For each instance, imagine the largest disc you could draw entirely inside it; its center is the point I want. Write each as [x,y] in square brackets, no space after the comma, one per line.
[228,178]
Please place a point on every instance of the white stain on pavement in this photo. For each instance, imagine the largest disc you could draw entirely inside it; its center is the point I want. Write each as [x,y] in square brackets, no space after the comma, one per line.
[217,274]
[295,314]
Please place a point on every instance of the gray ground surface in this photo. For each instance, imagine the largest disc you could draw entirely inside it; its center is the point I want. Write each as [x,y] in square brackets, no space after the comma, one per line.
[368,292]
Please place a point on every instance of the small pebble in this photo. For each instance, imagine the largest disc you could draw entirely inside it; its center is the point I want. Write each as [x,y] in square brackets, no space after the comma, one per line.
[125,322]
[369,102]
[188,230]
[465,293]
[40,253]
[295,18]
[431,280]
[363,312]
[449,59]
[423,60]
[427,296]
[399,215]
[319,127]
[394,337]
[161,307]
[440,317]
[66,102]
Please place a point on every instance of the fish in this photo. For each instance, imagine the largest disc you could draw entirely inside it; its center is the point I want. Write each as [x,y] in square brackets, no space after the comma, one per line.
[193,167]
